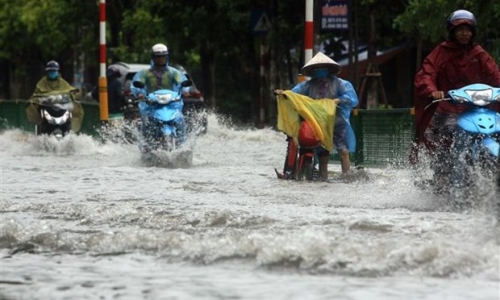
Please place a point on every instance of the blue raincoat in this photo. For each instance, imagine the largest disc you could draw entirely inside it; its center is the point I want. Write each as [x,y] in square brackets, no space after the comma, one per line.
[167,78]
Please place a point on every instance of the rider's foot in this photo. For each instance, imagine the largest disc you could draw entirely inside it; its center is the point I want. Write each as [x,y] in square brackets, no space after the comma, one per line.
[356,175]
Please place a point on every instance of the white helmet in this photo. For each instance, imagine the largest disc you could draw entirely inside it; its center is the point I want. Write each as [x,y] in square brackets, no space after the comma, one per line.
[159,50]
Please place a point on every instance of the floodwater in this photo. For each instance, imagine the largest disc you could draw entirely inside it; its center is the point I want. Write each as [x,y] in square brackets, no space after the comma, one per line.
[84,220]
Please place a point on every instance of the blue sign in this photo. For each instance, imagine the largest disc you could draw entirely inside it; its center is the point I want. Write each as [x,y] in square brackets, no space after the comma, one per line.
[334,15]
[260,23]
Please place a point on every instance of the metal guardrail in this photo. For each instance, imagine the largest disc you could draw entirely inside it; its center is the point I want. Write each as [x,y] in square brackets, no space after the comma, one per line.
[384,136]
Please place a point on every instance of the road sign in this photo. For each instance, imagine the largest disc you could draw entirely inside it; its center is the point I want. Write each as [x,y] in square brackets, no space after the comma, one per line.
[263,24]
[260,23]
[334,15]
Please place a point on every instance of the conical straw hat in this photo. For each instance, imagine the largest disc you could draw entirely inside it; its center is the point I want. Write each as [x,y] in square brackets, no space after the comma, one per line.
[320,60]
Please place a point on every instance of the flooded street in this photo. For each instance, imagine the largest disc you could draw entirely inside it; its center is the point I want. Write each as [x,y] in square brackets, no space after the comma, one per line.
[85,220]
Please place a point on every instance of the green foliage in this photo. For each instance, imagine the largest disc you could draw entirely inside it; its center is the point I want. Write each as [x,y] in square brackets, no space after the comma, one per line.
[427,18]
[144,30]
[43,24]
[43,20]
[10,28]
[212,36]
[495,52]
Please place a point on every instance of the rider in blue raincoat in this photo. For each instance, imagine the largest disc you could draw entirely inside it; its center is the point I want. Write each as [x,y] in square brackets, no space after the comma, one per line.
[160,75]
[324,83]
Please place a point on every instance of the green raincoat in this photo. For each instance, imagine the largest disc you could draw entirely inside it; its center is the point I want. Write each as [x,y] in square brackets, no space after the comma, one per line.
[46,87]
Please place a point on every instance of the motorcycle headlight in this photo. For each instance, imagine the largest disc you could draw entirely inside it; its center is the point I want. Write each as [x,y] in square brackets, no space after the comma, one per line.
[67,115]
[47,116]
[482,97]
[164,99]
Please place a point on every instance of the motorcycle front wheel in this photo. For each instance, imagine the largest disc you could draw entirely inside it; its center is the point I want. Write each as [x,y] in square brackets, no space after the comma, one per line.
[169,143]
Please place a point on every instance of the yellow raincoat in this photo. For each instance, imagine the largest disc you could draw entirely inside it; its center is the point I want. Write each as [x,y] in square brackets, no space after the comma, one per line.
[320,114]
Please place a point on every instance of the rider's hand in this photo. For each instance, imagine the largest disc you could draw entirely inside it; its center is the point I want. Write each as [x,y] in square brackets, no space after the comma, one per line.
[278,92]
[437,95]
[337,101]
[140,96]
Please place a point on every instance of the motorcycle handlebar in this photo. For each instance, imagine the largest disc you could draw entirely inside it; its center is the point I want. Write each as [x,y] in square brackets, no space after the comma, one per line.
[441,100]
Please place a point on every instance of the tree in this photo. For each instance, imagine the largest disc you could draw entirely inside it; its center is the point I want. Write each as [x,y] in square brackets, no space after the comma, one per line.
[211,38]
[38,30]
[425,20]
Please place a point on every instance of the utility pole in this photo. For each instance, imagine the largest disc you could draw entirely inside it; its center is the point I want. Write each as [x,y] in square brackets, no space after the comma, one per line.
[309,31]
[103,82]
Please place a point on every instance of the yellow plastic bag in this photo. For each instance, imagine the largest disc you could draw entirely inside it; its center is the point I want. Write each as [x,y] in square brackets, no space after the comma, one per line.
[320,115]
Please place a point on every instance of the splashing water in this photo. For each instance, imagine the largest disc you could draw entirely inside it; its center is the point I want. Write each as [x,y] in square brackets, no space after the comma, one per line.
[91,221]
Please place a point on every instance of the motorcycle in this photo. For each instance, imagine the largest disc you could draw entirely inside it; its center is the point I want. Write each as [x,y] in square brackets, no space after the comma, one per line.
[131,109]
[162,125]
[476,141]
[298,117]
[300,156]
[55,111]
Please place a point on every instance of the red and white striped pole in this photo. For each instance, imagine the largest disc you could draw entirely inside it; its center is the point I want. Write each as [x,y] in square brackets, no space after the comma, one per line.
[262,82]
[309,29]
[103,82]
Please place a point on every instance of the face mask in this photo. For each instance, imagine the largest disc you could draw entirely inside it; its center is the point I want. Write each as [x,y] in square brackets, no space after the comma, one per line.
[160,61]
[52,75]
[319,73]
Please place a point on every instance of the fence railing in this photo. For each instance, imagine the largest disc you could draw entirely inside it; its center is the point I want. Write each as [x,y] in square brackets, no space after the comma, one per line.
[384,136]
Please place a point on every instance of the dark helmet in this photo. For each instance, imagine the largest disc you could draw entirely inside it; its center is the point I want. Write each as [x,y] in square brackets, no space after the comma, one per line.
[159,50]
[460,17]
[52,65]
[113,71]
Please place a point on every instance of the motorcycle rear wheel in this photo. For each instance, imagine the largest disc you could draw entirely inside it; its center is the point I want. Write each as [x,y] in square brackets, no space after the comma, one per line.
[305,167]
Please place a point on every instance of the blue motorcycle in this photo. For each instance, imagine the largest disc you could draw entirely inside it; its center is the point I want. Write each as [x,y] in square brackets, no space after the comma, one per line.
[476,143]
[162,125]
[479,123]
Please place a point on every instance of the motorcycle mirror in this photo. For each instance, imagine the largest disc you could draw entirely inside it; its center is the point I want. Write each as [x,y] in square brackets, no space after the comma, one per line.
[138,84]
[187,83]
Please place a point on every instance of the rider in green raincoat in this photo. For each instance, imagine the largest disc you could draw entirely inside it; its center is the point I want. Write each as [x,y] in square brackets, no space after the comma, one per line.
[52,83]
